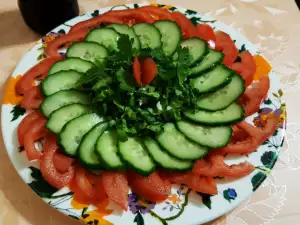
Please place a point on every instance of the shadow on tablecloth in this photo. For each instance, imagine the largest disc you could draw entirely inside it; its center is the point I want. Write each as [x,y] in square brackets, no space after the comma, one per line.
[13,30]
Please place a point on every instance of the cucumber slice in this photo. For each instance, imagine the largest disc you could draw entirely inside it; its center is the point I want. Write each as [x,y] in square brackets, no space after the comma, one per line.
[107,150]
[223,97]
[165,160]
[90,51]
[125,29]
[170,35]
[198,48]
[212,137]
[73,132]
[86,148]
[59,81]
[63,98]
[104,36]
[212,59]
[232,114]
[135,155]
[177,145]
[61,116]
[211,80]
[148,35]
[77,64]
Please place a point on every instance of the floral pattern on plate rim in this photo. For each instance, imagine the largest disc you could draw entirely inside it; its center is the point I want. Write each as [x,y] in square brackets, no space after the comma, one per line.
[182,202]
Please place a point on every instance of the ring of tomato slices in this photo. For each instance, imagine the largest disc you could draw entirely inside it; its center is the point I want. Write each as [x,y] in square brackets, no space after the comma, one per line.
[58,169]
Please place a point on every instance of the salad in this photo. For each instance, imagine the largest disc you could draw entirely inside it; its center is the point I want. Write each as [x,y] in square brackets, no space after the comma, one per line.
[141,99]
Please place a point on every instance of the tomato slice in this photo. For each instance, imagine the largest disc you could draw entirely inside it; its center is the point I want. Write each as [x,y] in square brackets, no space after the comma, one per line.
[148,70]
[256,137]
[206,32]
[26,124]
[53,46]
[129,14]
[33,98]
[152,188]
[35,132]
[62,162]
[187,27]
[227,46]
[157,12]
[246,68]
[38,71]
[116,187]
[48,170]
[254,95]
[83,183]
[96,21]
[195,182]
[219,168]
[137,70]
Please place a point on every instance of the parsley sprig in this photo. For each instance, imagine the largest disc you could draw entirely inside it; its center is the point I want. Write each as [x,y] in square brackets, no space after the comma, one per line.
[139,110]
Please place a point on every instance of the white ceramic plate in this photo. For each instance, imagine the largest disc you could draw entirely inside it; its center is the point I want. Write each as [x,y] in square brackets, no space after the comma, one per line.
[183,206]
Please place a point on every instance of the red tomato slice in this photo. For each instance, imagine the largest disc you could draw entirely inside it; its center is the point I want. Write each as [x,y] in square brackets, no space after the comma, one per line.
[206,32]
[62,162]
[137,70]
[148,69]
[246,68]
[26,124]
[53,46]
[159,13]
[48,170]
[187,27]
[84,184]
[238,134]
[152,188]
[254,95]
[129,14]
[195,182]
[256,137]
[227,46]
[38,71]
[116,187]
[33,98]
[94,22]
[218,168]
[35,132]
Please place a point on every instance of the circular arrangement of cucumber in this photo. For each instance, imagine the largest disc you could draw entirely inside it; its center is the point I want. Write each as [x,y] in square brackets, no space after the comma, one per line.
[93,139]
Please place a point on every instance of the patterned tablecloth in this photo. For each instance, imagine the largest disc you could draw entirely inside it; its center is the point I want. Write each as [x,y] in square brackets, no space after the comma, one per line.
[273,25]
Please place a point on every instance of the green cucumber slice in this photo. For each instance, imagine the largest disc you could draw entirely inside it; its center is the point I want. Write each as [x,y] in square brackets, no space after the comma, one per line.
[77,64]
[63,98]
[62,80]
[61,116]
[223,97]
[232,114]
[107,150]
[177,145]
[73,132]
[170,35]
[212,59]
[135,155]
[125,29]
[148,34]
[104,36]
[212,79]
[212,137]
[197,47]
[165,160]
[86,148]
[90,51]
